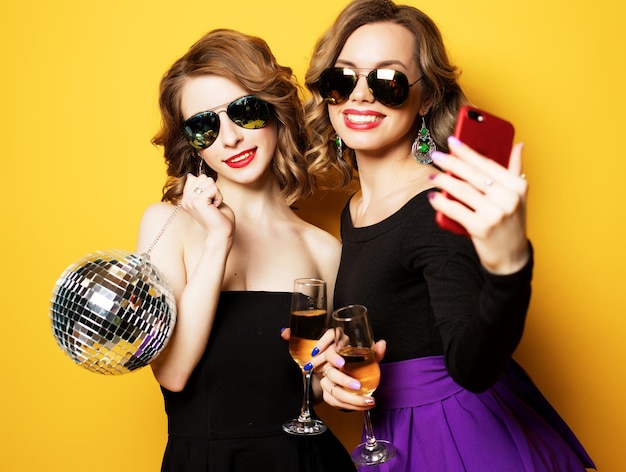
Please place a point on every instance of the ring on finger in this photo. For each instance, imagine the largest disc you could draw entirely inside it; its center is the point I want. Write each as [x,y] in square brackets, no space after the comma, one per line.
[198,190]
[331,390]
[326,369]
[488,182]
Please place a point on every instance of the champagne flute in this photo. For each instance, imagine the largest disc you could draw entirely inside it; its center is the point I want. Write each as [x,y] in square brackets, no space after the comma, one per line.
[355,343]
[308,321]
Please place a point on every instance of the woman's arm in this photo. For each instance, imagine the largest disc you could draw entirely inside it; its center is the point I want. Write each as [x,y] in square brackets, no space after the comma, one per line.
[192,256]
[492,207]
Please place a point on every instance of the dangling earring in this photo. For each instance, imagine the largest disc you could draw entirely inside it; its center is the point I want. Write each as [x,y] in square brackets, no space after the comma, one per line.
[200,164]
[424,145]
[339,146]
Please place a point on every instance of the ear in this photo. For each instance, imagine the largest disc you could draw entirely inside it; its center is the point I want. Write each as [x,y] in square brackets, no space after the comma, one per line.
[425,106]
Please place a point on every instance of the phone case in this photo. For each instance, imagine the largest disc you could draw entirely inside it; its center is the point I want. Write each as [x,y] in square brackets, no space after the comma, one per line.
[487,134]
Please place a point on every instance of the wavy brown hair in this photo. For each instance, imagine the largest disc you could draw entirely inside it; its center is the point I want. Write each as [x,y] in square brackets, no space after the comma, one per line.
[439,83]
[249,62]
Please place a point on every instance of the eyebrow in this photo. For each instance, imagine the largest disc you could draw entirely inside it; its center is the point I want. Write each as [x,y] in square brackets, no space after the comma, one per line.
[379,65]
[221,108]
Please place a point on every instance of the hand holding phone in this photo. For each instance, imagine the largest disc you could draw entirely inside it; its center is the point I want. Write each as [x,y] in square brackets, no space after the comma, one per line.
[486,134]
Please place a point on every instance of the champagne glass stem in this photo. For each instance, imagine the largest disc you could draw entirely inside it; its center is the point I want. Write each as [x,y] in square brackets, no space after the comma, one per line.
[372,451]
[305,411]
[370,439]
[305,424]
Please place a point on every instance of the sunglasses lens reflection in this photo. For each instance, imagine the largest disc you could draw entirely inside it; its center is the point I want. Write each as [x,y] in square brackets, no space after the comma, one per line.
[336,84]
[389,87]
[201,130]
[248,112]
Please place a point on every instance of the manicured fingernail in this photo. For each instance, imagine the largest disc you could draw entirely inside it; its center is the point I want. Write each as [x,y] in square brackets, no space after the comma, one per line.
[340,362]
[432,176]
[308,366]
[355,385]
[454,141]
[315,351]
[437,156]
[369,401]
[283,329]
[431,195]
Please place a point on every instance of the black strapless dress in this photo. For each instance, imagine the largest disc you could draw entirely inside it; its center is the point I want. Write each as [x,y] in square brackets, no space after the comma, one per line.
[229,416]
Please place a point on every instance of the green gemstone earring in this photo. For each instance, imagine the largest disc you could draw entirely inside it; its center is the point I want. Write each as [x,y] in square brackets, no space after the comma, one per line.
[339,147]
[424,145]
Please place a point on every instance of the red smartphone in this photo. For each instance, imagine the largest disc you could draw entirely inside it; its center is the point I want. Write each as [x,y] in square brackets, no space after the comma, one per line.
[487,134]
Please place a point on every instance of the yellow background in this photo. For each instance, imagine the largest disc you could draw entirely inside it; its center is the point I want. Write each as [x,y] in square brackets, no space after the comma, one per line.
[78,98]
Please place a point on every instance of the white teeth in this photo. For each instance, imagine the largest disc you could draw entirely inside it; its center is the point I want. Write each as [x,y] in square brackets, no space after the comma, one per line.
[362,118]
[243,157]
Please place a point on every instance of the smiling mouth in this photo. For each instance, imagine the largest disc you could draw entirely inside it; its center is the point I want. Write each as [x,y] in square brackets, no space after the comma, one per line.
[242,159]
[363,119]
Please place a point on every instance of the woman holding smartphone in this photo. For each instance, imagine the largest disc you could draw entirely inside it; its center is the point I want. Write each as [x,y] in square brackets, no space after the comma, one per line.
[450,308]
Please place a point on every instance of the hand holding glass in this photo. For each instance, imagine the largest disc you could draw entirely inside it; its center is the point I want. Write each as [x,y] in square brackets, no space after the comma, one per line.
[309,320]
[355,343]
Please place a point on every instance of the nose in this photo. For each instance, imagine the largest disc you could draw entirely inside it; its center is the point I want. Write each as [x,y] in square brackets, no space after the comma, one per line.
[362,91]
[230,133]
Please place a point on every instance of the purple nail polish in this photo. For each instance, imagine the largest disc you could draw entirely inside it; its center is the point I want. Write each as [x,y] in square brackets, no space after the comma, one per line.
[454,141]
[340,362]
[437,156]
[355,385]
[431,195]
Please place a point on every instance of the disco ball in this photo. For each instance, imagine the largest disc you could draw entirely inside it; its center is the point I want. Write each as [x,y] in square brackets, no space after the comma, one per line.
[112,312]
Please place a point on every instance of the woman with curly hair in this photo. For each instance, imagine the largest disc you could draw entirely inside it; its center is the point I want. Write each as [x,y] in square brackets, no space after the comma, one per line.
[234,148]
[450,307]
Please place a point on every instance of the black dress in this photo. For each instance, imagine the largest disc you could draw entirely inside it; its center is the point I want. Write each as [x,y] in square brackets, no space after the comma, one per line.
[229,416]
[450,398]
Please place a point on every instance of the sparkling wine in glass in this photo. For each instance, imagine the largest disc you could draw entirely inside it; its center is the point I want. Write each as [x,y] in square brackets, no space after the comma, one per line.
[308,321]
[355,343]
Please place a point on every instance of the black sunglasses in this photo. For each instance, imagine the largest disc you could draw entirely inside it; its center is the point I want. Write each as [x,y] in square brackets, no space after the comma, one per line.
[249,112]
[390,87]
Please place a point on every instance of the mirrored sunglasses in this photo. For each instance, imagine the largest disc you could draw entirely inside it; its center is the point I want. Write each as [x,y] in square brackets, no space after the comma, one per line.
[390,87]
[249,112]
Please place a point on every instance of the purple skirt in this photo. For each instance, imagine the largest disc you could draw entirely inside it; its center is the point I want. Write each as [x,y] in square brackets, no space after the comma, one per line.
[437,426]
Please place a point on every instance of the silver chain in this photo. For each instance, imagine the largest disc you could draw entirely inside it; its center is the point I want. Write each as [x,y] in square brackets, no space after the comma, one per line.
[163,228]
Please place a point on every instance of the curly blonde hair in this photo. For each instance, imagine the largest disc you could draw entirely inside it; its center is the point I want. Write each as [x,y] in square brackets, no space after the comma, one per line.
[249,62]
[439,83]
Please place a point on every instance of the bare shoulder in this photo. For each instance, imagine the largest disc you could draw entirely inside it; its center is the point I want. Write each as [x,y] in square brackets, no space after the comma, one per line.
[157,211]
[324,251]
[323,247]
[171,226]
[318,238]
[162,232]
[153,220]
